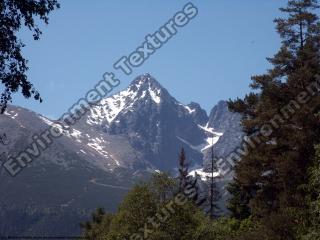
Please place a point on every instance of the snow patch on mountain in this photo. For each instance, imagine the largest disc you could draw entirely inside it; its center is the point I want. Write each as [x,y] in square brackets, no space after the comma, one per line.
[155,95]
[189,109]
[110,107]
[212,136]
[46,120]
[76,134]
[211,141]
[210,130]
[11,114]
[203,175]
[197,148]
[83,151]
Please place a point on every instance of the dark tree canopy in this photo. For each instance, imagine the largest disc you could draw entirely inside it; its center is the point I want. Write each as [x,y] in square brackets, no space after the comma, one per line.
[14,14]
[270,179]
[301,24]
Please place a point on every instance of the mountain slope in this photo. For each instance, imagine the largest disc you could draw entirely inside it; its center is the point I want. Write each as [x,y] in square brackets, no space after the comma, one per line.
[120,141]
[150,121]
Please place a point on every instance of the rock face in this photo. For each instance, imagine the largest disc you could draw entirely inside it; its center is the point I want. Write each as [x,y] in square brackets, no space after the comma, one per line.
[228,123]
[199,115]
[152,121]
[222,120]
[122,140]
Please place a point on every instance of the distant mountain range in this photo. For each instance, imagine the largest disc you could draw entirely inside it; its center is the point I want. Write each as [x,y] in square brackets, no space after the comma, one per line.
[121,141]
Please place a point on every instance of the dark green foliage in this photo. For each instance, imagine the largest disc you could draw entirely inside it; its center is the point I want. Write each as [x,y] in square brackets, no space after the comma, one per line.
[183,170]
[270,182]
[162,186]
[139,204]
[143,215]
[313,231]
[182,223]
[13,66]
[238,204]
[143,209]
[100,224]
[270,179]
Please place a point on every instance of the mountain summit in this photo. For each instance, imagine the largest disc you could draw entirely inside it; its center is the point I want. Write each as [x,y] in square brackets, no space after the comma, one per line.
[144,88]
[154,123]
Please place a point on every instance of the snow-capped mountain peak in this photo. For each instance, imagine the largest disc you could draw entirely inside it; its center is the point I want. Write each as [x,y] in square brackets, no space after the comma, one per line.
[147,86]
[145,114]
[143,88]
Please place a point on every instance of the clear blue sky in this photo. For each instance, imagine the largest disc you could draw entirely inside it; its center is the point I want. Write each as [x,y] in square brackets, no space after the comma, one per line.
[210,59]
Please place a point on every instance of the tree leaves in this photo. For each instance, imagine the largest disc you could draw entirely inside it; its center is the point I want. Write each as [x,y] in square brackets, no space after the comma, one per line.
[14,14]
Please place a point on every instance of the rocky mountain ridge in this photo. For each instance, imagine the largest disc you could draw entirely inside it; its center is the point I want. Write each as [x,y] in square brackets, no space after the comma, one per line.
[122,140]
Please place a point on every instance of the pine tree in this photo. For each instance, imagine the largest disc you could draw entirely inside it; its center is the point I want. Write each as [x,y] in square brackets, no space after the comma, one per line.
[238,204]
[214,192]
[183,170]
[300,26]
[281,114]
